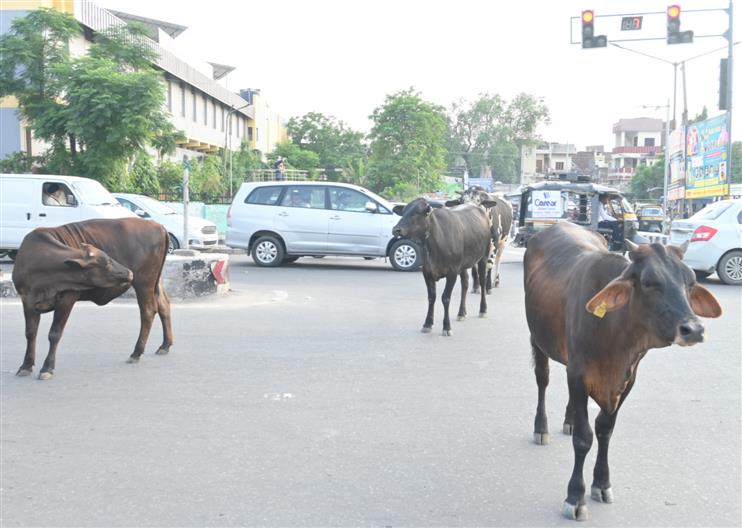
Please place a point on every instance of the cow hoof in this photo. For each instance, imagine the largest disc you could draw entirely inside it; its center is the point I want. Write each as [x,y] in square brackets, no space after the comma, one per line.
[46,375]
[162,351]
[489,292]
[576,512]
[426,330]
[602,495]
[567,429]
[133,360]
[23,372]
[447,333]
[460,317]
[541,438]
[482,315]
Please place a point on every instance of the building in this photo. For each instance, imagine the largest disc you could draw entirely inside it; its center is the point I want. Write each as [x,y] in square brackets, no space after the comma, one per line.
[638,141]
[545,158]
[210,115]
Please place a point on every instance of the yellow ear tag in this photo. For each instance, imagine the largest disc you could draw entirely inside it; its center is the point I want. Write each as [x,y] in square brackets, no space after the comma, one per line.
[600,310]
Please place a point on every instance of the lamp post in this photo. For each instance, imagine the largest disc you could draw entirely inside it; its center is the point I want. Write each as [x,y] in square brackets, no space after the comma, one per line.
[228,142]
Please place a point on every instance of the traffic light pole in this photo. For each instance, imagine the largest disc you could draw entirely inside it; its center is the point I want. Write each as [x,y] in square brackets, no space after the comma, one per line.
[730,73]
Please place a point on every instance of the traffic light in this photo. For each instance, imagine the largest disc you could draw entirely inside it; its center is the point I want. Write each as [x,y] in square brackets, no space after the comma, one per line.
[674,35]
[589,39]
[723,84]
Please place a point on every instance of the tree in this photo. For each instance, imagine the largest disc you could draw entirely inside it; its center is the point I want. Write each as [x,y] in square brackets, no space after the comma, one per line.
[487,134]
[296,158]
[98,112]
[648,177]
[407,146]
[336,145]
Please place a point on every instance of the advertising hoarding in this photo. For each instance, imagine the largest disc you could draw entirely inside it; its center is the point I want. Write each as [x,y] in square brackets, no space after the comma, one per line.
[676,185]
[706,158]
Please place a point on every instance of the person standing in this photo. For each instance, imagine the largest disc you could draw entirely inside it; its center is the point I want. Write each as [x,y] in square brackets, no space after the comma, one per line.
[280,169]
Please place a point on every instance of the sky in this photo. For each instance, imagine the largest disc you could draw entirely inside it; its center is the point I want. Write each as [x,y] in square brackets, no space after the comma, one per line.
[342,58]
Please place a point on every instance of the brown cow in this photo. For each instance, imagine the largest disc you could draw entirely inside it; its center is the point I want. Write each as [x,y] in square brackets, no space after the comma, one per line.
[598,314]
[95,260]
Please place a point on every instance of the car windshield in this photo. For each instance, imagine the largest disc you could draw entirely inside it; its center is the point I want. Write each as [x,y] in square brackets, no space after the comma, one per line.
[652,211]
[712,211]
[155,206]
[93,193]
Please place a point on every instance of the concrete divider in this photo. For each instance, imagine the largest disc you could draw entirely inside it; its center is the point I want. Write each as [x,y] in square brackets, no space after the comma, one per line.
[186,275]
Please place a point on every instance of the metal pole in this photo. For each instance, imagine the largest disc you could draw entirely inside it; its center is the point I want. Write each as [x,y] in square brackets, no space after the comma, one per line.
[674,95]
[730,73]
[186,177]
[667,158]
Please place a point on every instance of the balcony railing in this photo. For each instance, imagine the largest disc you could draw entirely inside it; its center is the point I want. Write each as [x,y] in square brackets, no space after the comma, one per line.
[637,150]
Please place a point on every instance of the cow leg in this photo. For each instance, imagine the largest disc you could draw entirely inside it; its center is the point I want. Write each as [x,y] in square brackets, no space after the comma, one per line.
[582,440]
[430,285]
[474,280]
[32,327]
[464,287]
[498,258]
[446,298]
[541,369]
[147,309]
[65,301]
[482,265]
[163,310]
[569,418]
[601,487]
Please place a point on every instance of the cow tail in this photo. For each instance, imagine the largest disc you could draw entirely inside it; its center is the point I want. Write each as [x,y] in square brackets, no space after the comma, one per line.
[162,264]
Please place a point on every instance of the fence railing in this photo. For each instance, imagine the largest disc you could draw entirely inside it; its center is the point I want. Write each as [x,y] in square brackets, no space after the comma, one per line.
[261,175]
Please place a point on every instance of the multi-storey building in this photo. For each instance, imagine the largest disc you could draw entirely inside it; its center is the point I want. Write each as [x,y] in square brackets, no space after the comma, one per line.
[210,115]
[545,158]
[638,141]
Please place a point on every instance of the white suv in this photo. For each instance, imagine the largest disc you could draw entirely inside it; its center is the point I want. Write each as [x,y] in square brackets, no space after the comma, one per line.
[279,222]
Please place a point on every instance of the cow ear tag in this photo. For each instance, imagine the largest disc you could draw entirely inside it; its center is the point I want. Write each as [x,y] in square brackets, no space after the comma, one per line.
[600,310]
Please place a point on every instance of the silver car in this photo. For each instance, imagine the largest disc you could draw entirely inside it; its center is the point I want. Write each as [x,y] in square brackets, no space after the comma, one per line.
[278,222]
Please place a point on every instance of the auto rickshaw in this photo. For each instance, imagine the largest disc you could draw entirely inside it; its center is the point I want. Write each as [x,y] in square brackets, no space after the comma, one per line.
[651,217]
[545,203]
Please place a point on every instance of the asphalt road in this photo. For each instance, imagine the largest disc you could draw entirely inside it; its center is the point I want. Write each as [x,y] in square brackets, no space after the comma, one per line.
[309,397]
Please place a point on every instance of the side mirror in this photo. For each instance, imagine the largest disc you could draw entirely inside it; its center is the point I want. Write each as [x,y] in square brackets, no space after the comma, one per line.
[141,213]
[371,207]
[71,200]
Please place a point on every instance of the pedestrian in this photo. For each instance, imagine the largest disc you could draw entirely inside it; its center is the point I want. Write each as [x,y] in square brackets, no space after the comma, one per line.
[280,169]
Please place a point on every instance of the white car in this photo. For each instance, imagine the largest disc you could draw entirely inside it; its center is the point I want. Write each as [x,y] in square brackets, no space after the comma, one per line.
[202,233]
[279,222]
[715,240]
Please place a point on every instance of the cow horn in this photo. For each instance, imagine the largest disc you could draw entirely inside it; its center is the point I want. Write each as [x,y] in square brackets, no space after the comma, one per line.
[631,245]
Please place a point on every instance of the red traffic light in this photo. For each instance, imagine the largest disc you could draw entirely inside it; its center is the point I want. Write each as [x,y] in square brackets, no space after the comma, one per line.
[673,11]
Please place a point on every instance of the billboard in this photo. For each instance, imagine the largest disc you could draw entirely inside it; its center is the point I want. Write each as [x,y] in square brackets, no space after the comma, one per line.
[706,152]
[676,185]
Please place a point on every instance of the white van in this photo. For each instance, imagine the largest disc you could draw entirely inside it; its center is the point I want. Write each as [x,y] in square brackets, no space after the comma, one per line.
[28,201]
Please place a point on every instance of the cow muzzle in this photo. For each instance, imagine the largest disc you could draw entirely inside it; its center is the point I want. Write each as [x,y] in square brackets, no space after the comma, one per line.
[689,333]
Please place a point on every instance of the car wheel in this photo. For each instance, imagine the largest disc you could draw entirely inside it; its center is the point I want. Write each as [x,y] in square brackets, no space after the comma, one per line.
[405,255]
[730,268]
[267,252]
[172,244]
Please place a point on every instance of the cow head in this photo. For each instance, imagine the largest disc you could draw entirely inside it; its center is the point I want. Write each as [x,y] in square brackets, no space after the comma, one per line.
[92,267]
[662,293]
[414,222]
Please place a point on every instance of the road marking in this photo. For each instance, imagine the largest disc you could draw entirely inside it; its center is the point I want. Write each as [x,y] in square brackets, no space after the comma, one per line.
[278,396]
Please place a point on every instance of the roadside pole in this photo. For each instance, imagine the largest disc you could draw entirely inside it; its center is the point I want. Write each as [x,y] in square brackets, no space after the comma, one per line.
[667,160]
[730,74]
[186,178]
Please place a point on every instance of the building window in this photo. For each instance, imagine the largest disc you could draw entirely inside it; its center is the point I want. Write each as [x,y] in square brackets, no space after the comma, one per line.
[559,165]
[213,111]
[206,111]
[649,142]
[222,120]
[193,95]
[539,165]
[257,134]
[237,127]
[230,123]
[182,100]
[170,97]
[249,134]
[635,141]
[244,129]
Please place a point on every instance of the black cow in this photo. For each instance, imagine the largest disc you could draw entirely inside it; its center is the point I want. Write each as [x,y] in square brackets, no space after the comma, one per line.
[95,260]
[599,314]
[501,218]
[453,240]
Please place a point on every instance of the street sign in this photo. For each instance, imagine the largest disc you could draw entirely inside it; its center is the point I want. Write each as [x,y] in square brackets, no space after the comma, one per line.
[631,23]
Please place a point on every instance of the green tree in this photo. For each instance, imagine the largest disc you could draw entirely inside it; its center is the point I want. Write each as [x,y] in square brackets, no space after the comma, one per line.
[336,145]
[206,176]
[487,134]
[98,112]
[649,177]
[407,150]
[244,161]
[296,157]
[143,176]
